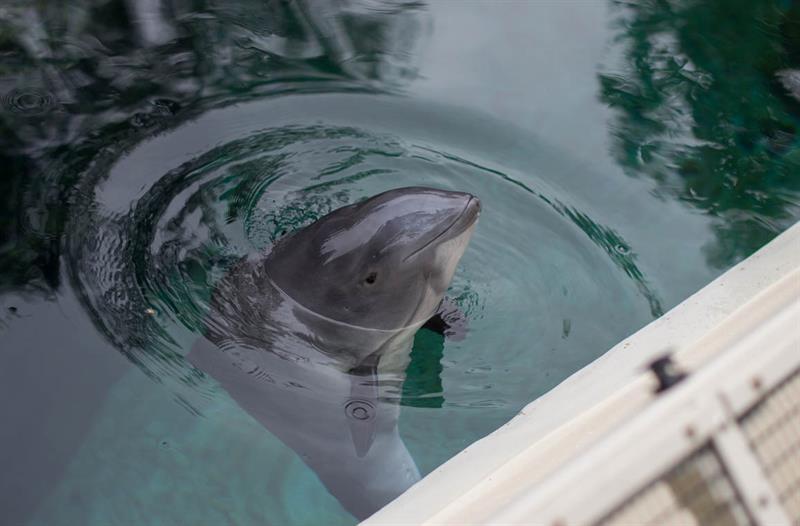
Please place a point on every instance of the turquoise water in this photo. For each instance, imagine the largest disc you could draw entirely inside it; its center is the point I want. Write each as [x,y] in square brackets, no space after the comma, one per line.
[625,156]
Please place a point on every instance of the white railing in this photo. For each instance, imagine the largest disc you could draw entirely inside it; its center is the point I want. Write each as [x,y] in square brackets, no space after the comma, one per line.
[722,446]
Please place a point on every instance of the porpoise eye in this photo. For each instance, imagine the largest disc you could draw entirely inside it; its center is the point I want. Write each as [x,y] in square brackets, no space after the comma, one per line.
[371,277]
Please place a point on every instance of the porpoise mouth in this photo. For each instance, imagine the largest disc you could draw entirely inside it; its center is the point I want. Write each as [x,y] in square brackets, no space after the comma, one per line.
[465,219]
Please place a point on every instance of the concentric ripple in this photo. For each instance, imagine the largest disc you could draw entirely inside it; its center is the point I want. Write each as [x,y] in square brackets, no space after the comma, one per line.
[544,286]
[155,229]
[27,101]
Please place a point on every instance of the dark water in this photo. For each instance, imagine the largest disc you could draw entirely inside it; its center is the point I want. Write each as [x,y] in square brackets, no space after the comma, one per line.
[625,155]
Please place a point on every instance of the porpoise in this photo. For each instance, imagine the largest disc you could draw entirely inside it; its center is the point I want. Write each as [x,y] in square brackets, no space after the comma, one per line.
[312,338]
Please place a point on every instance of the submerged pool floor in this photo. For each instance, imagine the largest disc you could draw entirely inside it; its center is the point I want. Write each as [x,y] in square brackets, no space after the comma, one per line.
[175,468]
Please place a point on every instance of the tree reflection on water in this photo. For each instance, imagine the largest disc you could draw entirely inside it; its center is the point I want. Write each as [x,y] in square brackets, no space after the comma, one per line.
[80,77]
[706,106]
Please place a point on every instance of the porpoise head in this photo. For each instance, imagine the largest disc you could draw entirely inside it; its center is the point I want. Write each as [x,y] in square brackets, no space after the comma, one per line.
[382,263]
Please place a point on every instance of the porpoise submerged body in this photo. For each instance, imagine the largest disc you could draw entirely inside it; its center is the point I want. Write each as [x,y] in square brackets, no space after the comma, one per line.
[313,338]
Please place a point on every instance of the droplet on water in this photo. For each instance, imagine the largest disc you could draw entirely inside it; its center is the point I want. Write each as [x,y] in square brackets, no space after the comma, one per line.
[28,101]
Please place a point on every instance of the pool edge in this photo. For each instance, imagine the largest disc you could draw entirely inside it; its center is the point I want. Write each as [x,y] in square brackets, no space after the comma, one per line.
[577,412]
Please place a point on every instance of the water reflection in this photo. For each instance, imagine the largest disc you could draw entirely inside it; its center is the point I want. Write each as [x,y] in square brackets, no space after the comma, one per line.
[707,107]
[83,78]
[148,145]
[80,84]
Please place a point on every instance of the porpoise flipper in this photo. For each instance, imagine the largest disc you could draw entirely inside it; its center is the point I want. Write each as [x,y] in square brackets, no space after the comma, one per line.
[362,406]
[449,321]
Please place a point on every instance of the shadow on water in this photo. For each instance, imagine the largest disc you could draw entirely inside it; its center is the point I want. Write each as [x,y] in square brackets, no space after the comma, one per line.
[707,104]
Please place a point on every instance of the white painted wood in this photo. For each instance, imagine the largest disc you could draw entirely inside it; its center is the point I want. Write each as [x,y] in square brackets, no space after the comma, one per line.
[758,495]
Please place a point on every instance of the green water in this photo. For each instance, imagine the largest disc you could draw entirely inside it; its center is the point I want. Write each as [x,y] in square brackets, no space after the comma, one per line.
[625,155]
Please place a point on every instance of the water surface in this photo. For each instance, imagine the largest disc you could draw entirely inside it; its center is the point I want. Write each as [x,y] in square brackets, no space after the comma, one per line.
[625,156]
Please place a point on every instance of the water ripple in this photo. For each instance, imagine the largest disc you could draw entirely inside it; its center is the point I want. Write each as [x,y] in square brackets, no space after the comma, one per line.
[146,247]
[28,101]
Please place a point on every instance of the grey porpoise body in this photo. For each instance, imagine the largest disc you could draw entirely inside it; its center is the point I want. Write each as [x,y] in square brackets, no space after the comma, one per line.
[313,338]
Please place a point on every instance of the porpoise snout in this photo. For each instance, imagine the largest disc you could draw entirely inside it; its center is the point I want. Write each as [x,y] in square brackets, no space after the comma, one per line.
[468,215]
[473,207]
[462,205]
[457,212]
